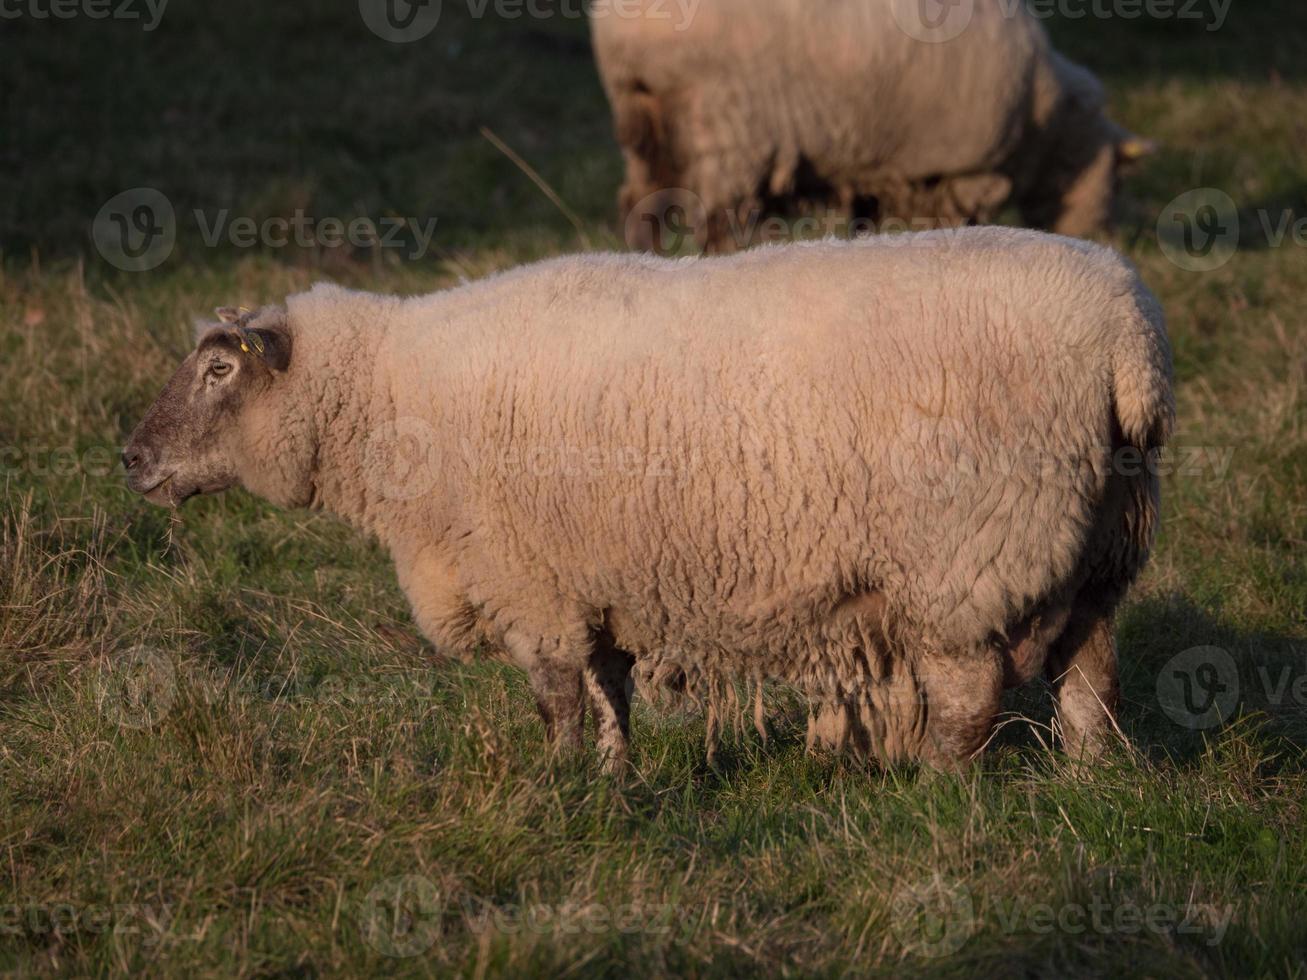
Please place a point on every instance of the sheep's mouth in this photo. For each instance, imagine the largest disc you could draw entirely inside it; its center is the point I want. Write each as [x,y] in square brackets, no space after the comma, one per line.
[161,493]
[168,492]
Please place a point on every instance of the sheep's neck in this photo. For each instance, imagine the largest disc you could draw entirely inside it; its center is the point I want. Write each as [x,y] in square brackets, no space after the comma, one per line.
[347,422]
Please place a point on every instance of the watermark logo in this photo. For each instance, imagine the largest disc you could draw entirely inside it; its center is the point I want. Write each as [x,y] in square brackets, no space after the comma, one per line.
[933,21]
[934,917]
[66,921]
[400,459]
[137,689]
[400,917]
[400,21]
[1199,687]
[136,230]
[937,21]
[1199,230]
[149,11]
[931,459]
[667,222]
[1211,12]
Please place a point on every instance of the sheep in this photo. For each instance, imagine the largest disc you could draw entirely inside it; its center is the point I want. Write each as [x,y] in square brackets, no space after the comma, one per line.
[883,470]
[750,106]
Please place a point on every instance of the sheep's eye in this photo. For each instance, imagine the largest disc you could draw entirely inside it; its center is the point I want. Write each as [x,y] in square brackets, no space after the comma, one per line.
[219,368]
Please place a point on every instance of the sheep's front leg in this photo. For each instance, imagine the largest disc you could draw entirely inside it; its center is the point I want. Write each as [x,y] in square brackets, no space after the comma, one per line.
[963,696]
[607,675]
[554,666]
[558,691]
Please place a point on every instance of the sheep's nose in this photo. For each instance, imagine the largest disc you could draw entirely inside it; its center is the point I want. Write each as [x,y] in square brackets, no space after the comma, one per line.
[131,459]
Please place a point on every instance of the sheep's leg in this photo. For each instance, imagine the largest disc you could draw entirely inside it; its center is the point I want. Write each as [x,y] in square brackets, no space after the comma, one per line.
[606,675]
[1083,671]
[554,668]
[963,695]
[561,703]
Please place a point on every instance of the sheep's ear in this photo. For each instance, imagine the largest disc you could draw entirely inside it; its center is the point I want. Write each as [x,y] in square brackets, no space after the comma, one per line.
[276,346]
[227,314]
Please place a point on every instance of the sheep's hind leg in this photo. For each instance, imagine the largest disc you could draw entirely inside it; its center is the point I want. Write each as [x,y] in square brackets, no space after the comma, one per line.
[1082,668]
[607,675]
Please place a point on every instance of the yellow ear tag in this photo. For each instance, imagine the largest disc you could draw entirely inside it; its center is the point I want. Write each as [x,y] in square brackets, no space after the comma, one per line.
[248,338]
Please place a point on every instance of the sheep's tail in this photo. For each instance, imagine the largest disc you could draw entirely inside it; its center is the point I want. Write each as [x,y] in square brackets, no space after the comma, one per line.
[1141,375]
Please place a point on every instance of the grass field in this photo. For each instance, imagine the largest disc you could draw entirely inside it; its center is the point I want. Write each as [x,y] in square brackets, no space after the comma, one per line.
[225,751]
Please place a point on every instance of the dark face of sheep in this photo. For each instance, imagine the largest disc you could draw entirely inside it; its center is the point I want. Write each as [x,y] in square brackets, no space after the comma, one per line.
[195,437]
[1075,191]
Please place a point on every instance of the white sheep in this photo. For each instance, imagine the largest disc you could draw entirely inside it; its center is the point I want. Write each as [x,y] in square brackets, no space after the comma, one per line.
[742,107]
[886,471]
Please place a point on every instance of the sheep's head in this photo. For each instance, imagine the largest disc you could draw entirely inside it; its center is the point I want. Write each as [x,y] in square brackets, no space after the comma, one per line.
[200,433]
[1081,160]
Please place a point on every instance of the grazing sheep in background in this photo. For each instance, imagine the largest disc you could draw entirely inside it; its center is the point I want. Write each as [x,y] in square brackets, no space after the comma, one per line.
[882,471]
[752,105]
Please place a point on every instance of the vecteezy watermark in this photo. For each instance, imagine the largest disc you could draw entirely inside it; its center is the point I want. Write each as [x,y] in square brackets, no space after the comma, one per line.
[935,917]
[66,920]
[938,458]
[1200,230]
[39,460]
[679,14]
[304,231]
[675,221]
[582,918]
[933,458]
[932,917]
[1196,920]
[136,231]
[1201,687]
[137,689]
[1211,12]
[400,917]
[558,460]
[141,687]
[400,21]
[667,222]
[933,21]
[929,458]
[150,11]
[403,459]
[940,21]
[406,21]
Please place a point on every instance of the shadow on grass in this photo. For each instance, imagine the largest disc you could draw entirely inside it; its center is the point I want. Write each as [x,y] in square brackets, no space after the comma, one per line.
[1188,673]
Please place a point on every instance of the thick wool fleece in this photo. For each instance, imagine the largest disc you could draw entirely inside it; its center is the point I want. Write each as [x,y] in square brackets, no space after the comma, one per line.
[877,469]
[757,101]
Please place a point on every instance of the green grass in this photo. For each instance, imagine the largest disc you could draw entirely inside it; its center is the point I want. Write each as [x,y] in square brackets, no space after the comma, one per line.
[222,745]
